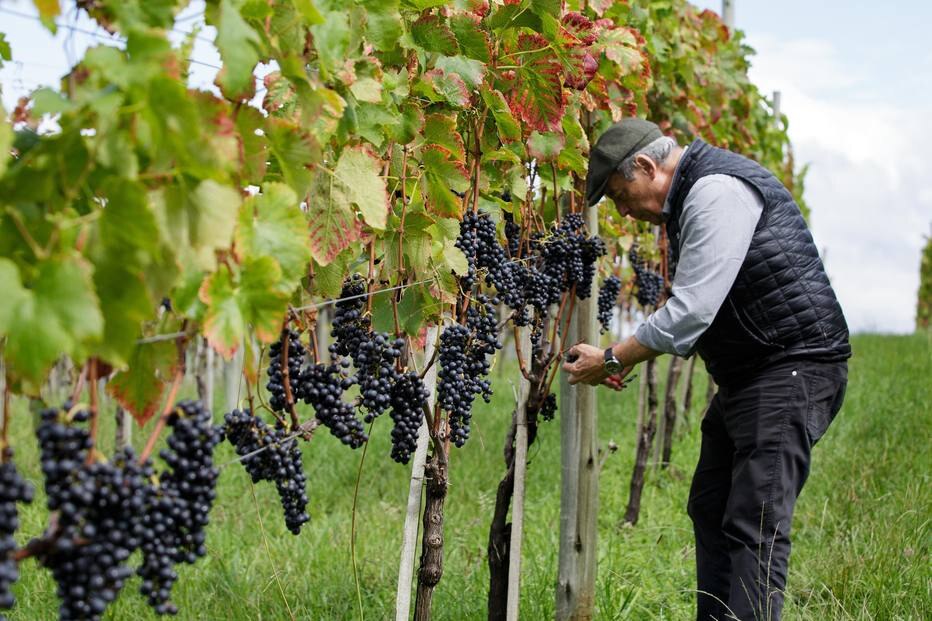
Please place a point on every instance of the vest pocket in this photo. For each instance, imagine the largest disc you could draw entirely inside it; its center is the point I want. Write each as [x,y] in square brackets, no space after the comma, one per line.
[751,327]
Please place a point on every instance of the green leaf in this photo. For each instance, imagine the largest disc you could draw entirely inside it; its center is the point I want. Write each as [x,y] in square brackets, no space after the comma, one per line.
[443,174]
[332,42]
[48,11]
[333,222]
[139,388]
[454,259]
[358,170]
[216,208]
[440,129]
[328,279]
[545,147]
[383,24]
[438,86]
[6,142]
[413,308]
[272,224]
[66,289]
[367,89]
[263,299]
[296,151]
[13,293]
[125,302]
[224,323]
[309,12]
[408,125]
[433,34]
[473,40]
[239,47]
[255,147]
[5,52]
[471,71]
[508,127]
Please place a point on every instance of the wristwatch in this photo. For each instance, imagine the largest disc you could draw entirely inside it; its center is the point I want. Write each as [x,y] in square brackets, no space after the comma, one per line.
[612,364]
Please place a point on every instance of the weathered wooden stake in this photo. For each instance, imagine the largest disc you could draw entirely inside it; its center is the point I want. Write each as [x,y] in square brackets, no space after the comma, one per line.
[517,506]
[409,537]
[670,410]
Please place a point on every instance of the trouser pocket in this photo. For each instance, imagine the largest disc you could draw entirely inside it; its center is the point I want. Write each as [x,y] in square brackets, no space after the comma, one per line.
[826,386]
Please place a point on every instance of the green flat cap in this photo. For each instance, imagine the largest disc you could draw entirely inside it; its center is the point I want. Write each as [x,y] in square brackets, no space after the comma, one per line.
[619,141]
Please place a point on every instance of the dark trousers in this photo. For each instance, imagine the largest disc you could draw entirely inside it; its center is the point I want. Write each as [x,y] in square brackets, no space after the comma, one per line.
[757,438]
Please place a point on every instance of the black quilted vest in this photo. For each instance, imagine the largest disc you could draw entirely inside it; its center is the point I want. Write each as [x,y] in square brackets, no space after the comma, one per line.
[782,305]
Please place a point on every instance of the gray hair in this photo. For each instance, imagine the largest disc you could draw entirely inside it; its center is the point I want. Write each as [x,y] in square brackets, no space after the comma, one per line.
[658,151]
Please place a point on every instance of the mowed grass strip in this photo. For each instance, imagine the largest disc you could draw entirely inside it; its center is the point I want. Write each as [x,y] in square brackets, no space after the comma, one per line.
[861,531]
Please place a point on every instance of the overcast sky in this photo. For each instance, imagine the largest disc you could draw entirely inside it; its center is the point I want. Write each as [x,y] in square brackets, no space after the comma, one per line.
[856,83]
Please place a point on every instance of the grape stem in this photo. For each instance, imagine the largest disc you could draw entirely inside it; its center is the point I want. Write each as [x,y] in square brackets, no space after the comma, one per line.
[4,433]
[289,398]
[438,445]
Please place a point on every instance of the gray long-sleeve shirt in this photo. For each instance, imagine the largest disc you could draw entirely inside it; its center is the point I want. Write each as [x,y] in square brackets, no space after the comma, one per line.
[717,222]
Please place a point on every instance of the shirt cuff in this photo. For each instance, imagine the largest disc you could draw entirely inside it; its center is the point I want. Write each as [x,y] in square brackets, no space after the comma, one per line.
[649,335]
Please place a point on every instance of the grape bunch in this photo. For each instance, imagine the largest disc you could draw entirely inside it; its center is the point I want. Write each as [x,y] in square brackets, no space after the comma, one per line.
[296,357]
[270,455]
[548,408]
[322,387]
[608,295]
[99,515]
[464,362]
[178,508]
[13,489]
[350,326]
[408,397]
[649,283]
[376,373]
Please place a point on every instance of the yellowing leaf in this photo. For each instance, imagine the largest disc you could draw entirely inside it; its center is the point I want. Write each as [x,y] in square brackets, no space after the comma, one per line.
[333,222]
[443,175]
[358,170]
[239,48]
[272,224]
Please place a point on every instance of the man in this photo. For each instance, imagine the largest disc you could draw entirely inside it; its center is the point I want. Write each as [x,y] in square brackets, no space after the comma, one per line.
[751,297]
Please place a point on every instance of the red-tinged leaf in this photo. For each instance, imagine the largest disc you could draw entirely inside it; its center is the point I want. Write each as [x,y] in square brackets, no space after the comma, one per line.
[333,222]
[473,40]
[441,129]
[580,27]
[537,98]
[433,34]
[545,147]
[600,6]
[139,388]
[581,72]
[441,86]
[443,175]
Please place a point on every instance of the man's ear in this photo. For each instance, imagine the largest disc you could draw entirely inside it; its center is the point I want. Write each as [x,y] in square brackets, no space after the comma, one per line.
[648,165]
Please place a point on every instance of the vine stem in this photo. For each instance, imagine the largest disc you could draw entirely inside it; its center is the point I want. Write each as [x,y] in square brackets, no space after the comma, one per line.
[79,385]
[95,409]
[362,461]
[160,425]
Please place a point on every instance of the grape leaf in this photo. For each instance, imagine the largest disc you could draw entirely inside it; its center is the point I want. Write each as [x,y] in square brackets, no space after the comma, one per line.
[441,129]
[546,146]
[358,170]
[139,387]
[383,24]
[295,151]
[332,42]
[239,47]
[48,11]
[508,127]
[308,11]
[437,85]
[471,71]
[272,224]
[433,34]
[537,98]
[442,175]
[473,40]
[333,222]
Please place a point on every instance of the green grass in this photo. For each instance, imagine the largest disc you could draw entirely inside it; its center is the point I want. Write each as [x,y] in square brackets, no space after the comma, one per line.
[861,531]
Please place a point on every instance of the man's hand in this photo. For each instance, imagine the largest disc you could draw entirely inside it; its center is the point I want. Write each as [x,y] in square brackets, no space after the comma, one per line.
[586,364]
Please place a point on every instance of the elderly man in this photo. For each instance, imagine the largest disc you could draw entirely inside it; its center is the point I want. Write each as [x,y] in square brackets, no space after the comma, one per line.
[751,297]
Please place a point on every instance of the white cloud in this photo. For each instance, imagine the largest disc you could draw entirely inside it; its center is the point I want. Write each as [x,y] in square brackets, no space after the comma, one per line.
[868,185]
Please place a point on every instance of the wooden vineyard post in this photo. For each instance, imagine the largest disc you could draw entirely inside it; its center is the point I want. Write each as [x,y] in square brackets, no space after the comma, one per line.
[412,513]
[204,374]
[232,376]
[645,440]
[728,13]
[517,510]
[579,499]
[124,427]
[687,401]
[670,410]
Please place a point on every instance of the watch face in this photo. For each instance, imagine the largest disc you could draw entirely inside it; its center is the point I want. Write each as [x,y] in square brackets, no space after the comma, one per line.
[612,366]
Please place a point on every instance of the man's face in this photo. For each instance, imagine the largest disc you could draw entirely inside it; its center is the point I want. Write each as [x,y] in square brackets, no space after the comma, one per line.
[641,198]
